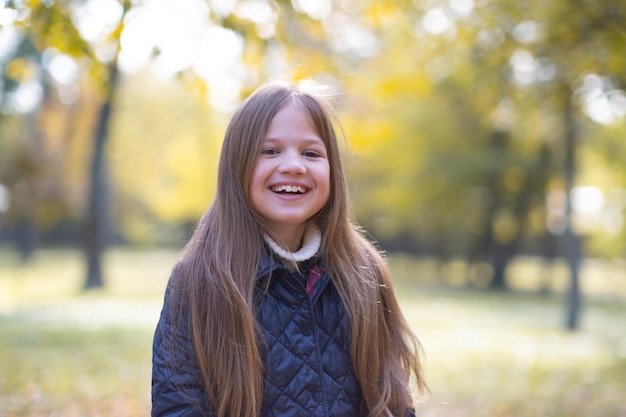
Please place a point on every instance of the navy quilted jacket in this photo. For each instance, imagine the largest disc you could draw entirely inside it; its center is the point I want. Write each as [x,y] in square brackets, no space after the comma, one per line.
[306,354]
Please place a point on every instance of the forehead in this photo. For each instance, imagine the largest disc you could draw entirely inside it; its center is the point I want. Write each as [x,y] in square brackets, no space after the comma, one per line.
[292,120]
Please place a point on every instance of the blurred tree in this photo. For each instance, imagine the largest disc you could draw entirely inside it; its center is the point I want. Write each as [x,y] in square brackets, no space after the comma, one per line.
[97,221]
[64,27]
[511,78]
[30,162]
[50,26]
[164,151]
[464,118]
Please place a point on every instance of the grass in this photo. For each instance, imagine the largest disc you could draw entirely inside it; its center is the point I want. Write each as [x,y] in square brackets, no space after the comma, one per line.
[71,371]
[67,353]
[506,355]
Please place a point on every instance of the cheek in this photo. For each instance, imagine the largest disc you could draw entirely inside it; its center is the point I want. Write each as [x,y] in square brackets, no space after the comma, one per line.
[258,174]
[255,183]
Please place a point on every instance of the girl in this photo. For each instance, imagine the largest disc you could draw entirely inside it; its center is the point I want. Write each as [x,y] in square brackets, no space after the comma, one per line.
[278,305]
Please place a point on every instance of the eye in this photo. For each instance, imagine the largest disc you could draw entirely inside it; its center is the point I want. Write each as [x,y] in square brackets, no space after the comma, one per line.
[311,154]
[269,151]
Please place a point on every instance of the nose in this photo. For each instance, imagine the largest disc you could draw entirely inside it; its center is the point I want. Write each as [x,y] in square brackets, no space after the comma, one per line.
[292,163]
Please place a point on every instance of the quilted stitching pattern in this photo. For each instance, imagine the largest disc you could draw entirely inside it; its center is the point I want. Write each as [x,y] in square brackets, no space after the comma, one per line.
[309,369]
[305,347]
[168,399]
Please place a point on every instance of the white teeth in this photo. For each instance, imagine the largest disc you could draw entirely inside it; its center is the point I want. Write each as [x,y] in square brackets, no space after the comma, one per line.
[288,188]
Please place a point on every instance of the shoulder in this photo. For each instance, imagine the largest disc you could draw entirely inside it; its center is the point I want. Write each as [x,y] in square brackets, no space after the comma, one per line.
[176,381]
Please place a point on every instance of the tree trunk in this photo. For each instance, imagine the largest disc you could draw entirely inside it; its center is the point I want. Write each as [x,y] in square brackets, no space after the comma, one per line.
[486,245]
[501,255]
[571,243]
[97,218]
[534,184]
[573,254]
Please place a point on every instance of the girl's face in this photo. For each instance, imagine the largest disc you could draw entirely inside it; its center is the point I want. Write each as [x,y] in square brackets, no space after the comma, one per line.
[291,180]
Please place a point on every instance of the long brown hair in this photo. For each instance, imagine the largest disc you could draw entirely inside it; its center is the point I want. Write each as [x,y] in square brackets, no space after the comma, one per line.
[216,274]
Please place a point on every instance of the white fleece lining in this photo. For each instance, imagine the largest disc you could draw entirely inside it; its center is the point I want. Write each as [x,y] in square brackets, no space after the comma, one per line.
[311,242]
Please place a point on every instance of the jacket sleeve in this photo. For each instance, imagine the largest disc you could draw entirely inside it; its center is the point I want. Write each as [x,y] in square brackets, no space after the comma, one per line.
[176,379]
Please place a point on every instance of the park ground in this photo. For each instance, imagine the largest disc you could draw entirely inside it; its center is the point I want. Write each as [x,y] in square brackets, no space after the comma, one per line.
[64,352]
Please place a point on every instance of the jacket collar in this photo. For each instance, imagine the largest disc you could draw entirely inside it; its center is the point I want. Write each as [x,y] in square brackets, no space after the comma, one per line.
[269,264]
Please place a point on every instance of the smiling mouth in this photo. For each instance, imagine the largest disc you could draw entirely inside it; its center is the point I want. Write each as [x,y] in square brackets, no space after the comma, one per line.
[288,189]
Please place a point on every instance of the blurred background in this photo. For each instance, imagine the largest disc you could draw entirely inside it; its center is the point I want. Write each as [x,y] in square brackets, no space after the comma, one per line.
[485,152]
